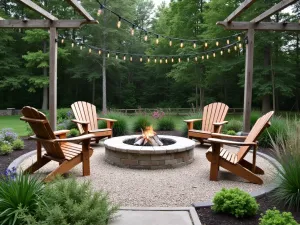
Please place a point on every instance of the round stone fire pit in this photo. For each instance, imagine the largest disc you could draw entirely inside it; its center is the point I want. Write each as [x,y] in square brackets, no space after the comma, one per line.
[176,152]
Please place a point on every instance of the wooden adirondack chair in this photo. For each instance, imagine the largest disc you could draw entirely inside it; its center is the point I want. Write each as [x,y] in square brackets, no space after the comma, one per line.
[87,120]
[212,122]
[57,146]
[235,163]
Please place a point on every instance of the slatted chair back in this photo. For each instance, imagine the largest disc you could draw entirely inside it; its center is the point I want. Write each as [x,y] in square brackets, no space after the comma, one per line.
[256,130]
[85,111]
[214,112]
[41,127]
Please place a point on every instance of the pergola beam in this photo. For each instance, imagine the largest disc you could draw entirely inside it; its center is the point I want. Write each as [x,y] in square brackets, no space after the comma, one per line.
[262,26]
[80,9]
[44,23]
[38,9]
[276,8]
[245,5]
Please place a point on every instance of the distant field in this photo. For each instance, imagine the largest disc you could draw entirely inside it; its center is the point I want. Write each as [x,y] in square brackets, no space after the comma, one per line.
[15,123]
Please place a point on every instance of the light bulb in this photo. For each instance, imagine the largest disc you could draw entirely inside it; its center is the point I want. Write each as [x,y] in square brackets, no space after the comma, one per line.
[196,58]
[160,61]
[62,40]
[217,43]
[90,50]
[228,50]
[146,36]
[221,52]
[117,56]
[188,59]
[141,59]
[119,23]
[202,57]
[235,47]
[181,44]
[72,44]
[179,60]
[132,31]
[205,44]
[107,54]
[166,60]
[170,42]
[207,56]
[148,59]
[157,40]
[100,10]
[81,47]
[99,52]
[172,60]
[228,42]
[195,45]
[155,60]
[240,45]
[124,57]
[239,38]
[130,58]
[214,54]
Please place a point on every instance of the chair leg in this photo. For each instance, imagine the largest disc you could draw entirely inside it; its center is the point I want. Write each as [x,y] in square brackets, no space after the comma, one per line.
[215,157]
[249,166]
[37,165]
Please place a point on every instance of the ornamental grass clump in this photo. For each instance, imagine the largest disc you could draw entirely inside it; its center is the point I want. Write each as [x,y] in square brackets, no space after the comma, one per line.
[141,123]
[235,125]
[166,124]
[19,194]
[70,202]
[287,149]
[274,217]
[73,133]
[235,202]
[120,127]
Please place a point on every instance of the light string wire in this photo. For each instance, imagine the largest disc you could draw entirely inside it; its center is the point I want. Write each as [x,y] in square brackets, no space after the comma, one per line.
[135,26]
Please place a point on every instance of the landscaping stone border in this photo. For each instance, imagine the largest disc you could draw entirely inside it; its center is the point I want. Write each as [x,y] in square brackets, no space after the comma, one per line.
[179,154]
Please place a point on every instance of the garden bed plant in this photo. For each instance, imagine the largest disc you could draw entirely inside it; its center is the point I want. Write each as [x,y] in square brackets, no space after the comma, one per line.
[9,141]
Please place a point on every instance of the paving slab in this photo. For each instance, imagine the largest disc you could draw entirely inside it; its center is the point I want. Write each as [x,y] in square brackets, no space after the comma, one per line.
[156,216]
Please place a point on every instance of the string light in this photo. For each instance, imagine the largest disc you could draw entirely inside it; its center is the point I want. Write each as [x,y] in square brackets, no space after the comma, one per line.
[141,59]
[166,60]
[100,10]
[130,58]
[217,43]
[148,59]
[146,36]
[228,42]
[172,59]
[202,57]
[196,58]
[228,50]
[160,60]
[81,47]
[207,56]
[157,40]
[195,45]
[62,40]
[235,47]
[99,52]
[240,45]
[72,44]
[239,38]
[124,57]
[155,60]
[188,59]
[205,45]
[107,54]
[170,42]
[214,54]
[119,23]
[117,56]
[221,52]
[181,44]
[132,30]
[90,50]
[179,60]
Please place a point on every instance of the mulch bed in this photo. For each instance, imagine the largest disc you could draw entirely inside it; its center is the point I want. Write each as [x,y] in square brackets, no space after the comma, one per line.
[5,160]
[208,217]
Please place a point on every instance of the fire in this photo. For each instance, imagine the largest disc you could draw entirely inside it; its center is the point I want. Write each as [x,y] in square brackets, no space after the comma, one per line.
[148,132]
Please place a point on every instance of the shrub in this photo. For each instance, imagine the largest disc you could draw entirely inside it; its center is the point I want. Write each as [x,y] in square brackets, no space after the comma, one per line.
[254,116]
[235,202]
[231,132]
[141,123]
[18,193]
[166,123]
[70,202]
[287,150]
[273,216]
[5,148]
[73,133]
[18,144]
[235,125]
[29,131]
[197,124]
[66,125]
[64,114]
[277,127]
[7,134]
[120,127]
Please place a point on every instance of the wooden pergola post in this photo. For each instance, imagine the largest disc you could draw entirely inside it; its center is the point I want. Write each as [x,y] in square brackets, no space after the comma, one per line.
[53,77]
[248,79]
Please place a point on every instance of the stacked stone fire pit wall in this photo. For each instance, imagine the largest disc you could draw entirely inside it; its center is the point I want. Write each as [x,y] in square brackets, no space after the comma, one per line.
[149,157]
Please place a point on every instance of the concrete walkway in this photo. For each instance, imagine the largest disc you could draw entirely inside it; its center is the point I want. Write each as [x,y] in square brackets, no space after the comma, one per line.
[156,216]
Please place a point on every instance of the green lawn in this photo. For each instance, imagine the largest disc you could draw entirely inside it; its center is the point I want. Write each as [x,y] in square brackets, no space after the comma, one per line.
[15,123]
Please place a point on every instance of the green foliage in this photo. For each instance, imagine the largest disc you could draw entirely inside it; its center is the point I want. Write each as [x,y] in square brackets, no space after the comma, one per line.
[120,127]
[231,132]
[166,123]
[278,126]
[5,148]
[197,124]
[141,123]
[273,216]
[64,114]
[73,133]
[254,117]
[235,202]
[29,131]
[71,202]
[235,125]
[18,194]
[287,148]
[18,144]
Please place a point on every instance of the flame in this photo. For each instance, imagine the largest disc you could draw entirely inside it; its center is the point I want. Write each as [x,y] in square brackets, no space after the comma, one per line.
[148,132]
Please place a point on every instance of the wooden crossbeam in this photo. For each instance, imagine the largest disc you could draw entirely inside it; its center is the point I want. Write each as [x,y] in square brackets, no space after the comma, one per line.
[245,5]
[38,9]
[44,23]
[276,8]
[260,26]
[80,9]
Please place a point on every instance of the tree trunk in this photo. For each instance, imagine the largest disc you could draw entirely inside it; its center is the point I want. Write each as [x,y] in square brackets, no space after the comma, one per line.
[45,88]
[93,90]
[104,104]
[201,91]
[196,97]
[266,104]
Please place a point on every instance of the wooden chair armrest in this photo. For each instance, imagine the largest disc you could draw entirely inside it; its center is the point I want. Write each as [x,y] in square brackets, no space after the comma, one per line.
[107,119]
[220,123]
[59,132]
[81,122]
[34,137]
[192,120]
[75,139]
[228,137]
[220,141]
